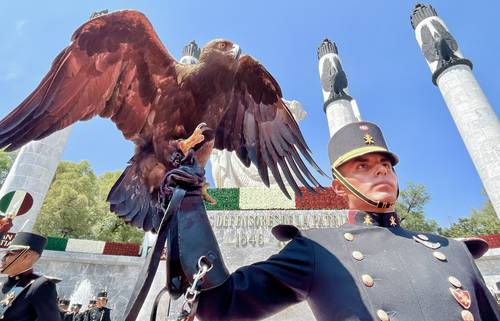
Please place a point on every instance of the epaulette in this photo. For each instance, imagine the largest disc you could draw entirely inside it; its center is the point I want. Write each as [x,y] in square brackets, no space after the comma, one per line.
[477,246]
[52,279]
[285,232]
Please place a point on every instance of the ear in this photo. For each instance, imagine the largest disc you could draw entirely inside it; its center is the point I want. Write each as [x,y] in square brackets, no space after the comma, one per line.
[338,188]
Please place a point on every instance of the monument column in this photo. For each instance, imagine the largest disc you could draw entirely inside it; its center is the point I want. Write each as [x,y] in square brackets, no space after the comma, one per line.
[339,106]
[473,115]
[33,171]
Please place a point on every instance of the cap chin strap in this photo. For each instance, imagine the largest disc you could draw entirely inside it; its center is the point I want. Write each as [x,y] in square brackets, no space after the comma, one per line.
[361,196]
[16,259]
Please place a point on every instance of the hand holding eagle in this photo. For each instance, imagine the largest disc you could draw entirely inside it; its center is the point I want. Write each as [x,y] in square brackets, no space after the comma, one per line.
[116,67]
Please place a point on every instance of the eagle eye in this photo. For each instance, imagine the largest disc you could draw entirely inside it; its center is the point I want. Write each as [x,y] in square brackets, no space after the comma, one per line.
[221,45]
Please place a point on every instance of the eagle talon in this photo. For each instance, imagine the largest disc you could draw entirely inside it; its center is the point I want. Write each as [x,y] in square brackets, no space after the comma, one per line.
[205,195]
[196,137]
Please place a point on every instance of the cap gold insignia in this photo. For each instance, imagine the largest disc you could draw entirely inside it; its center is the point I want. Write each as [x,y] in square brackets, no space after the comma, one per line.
[368,139]
[462,297]
[8,299]
[392,221]
[367,220]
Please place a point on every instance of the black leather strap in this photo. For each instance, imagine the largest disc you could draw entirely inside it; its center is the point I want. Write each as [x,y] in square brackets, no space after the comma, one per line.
[146,276]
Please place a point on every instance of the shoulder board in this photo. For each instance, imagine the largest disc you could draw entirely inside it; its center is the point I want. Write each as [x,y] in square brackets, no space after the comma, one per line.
[285,232]
[52,279]
[477,246]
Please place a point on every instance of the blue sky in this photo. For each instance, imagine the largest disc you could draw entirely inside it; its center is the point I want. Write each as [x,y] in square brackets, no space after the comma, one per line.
[386,70]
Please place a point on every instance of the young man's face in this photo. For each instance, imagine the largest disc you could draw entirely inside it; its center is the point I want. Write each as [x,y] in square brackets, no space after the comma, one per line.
[101,302]
[372,174]
[11,264]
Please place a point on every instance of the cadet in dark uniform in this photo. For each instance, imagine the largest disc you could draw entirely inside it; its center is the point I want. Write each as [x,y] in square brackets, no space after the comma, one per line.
[77,314]
[84,314]
[100,312]
[64,311]
[27,296]
[368,269]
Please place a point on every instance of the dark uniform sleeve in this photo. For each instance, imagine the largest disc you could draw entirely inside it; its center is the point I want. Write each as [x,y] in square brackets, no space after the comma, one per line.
[488,307]
[44,301]
[262,289]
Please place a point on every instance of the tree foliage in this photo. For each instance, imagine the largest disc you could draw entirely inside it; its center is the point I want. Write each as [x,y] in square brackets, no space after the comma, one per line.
[75,206]
[410,208]
[480,222]
[6,161]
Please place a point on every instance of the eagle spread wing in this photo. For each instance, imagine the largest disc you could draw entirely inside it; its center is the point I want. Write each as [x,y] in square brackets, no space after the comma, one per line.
[445,35]
[429,45]
[261,130]
[110,69]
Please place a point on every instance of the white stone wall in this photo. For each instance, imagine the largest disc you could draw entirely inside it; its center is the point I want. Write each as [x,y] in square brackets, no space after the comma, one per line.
[477,123]
[33,171]
[489,265]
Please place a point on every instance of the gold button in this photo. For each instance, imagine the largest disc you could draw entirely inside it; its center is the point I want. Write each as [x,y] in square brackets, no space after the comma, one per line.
[423,237]
[467,315]
[358,255]
[455,282]
[349,236]
[440,256]
[367,280]
[382,315]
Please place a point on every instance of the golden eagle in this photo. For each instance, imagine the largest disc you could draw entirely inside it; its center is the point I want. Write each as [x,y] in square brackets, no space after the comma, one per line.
[117,67]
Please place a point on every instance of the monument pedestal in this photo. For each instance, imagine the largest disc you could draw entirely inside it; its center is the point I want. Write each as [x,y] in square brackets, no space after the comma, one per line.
[245,237]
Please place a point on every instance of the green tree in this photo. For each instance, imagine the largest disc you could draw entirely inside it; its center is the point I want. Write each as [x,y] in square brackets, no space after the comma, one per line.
[69,207]
[410,208]
[110,227]
[481,222]
[6,161]
[75,206]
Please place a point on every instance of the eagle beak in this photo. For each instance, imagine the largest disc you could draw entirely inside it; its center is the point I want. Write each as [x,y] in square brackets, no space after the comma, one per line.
[236,51]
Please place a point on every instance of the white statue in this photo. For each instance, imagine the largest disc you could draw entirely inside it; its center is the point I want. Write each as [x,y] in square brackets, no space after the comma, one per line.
[227,169]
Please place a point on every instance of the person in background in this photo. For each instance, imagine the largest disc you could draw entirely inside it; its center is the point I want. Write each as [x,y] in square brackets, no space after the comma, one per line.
[26,295]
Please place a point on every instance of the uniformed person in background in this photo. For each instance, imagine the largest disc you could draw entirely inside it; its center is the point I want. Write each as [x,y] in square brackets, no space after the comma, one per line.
[26,295]
[78,314]
[368,269]
[100,312]
[64,310]
[90,306]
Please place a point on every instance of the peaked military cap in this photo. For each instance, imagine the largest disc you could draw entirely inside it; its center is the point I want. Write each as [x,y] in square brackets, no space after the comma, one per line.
[25,240]
[357,139]
[102,294]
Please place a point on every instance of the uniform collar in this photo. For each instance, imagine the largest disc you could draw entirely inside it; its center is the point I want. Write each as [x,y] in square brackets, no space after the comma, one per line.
[390,219]
[21,275]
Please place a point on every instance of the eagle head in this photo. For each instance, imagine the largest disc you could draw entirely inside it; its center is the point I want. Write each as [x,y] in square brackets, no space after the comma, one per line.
[220,50]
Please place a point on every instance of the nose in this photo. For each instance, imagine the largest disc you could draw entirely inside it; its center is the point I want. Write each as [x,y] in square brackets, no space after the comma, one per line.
[381,169]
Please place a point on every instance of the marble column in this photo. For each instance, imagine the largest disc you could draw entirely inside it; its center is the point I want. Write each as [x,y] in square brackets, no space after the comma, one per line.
[33,171]
[473,114]
[339,106]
